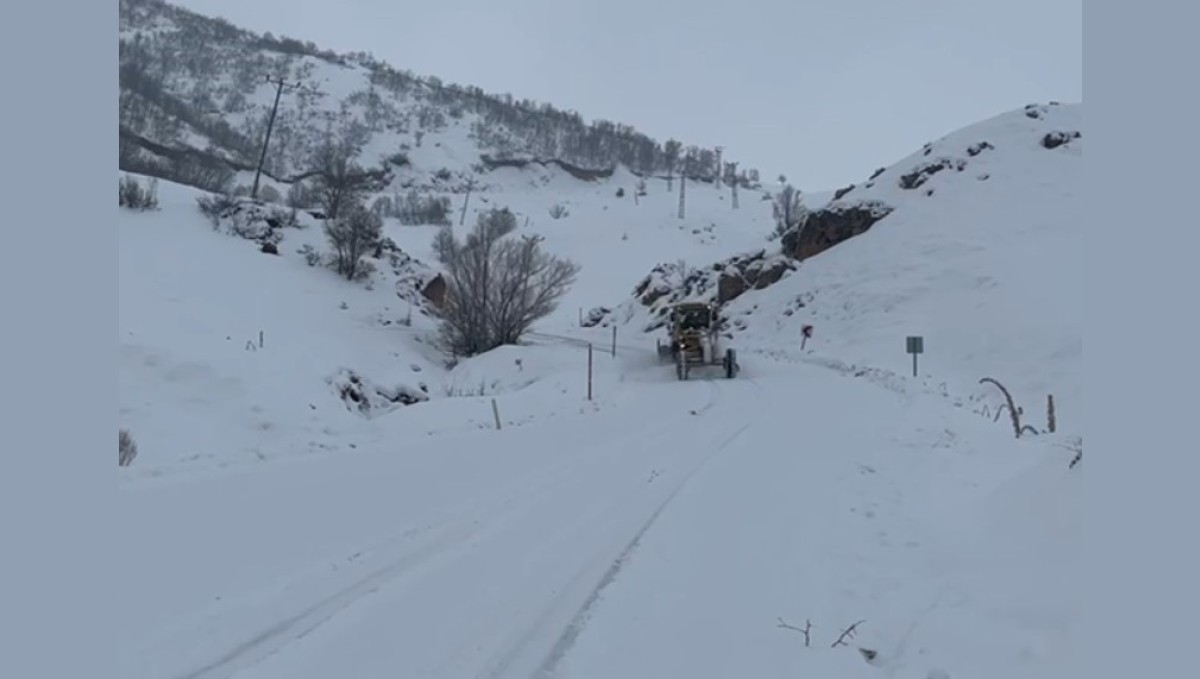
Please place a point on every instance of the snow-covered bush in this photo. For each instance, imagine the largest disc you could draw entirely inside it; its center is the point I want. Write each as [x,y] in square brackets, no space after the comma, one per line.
[369,399]
[217,206]
[247,218]
[311,256]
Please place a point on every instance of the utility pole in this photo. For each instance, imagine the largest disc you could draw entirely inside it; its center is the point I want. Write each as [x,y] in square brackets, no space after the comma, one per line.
[717,172]
[262,157]
[682,191]
[733,184]
[470,185]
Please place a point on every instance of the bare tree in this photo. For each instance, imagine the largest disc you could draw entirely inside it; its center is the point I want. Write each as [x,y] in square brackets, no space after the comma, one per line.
[496,288]
[468,267]
[353,235]
[340,182]
[529,283]
[789,208]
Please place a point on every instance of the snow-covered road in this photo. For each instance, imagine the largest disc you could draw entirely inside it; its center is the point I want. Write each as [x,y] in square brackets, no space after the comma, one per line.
[464,557]
[663,537]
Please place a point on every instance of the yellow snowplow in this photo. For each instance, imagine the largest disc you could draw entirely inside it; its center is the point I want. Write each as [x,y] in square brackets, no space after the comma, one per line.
[693,340]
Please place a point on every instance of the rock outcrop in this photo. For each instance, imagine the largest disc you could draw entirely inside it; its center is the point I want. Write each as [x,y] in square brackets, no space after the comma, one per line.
[827,227]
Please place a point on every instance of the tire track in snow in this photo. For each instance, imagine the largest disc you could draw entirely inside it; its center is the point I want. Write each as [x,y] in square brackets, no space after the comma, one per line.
[448,535]
[573,629]
[547,663]
[295,627]
[436,542]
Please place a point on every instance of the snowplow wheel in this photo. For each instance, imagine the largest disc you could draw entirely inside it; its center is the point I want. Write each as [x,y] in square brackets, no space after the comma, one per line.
[730,361]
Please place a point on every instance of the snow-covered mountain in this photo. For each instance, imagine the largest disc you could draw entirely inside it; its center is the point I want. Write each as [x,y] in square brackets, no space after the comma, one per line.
[196,95]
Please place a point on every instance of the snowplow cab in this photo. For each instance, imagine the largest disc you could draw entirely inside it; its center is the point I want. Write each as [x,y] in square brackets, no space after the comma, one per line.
[692,339]
[692,316]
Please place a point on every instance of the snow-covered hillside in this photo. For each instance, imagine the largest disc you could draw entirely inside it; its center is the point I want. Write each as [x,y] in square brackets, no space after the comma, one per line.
[978,251]
[194,300]
[320,490]
[196,95]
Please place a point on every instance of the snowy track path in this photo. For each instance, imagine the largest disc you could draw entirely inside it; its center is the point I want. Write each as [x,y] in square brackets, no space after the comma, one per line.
[495,578]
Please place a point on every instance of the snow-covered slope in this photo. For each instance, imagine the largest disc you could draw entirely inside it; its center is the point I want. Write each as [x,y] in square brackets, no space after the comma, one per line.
[197,388]
[195,95]
[979,253]
[228,355]
[662,529]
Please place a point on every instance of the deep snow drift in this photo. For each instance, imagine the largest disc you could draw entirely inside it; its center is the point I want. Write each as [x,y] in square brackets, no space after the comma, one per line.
[662,528]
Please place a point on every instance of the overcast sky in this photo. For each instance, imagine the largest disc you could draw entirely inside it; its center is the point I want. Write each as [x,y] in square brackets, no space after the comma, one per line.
[823,92]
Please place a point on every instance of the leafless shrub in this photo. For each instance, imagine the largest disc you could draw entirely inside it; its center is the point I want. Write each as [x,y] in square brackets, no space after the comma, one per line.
[217,206]
[413,209]
[310,254]
[352,236]
[806,630]
[340,183]
[789,211]
[847,633]
[130,194]
[363,272]
[202,172]
[126,448]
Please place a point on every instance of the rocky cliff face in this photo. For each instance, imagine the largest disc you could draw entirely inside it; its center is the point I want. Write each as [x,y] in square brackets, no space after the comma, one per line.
[670,283]
[827,227]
